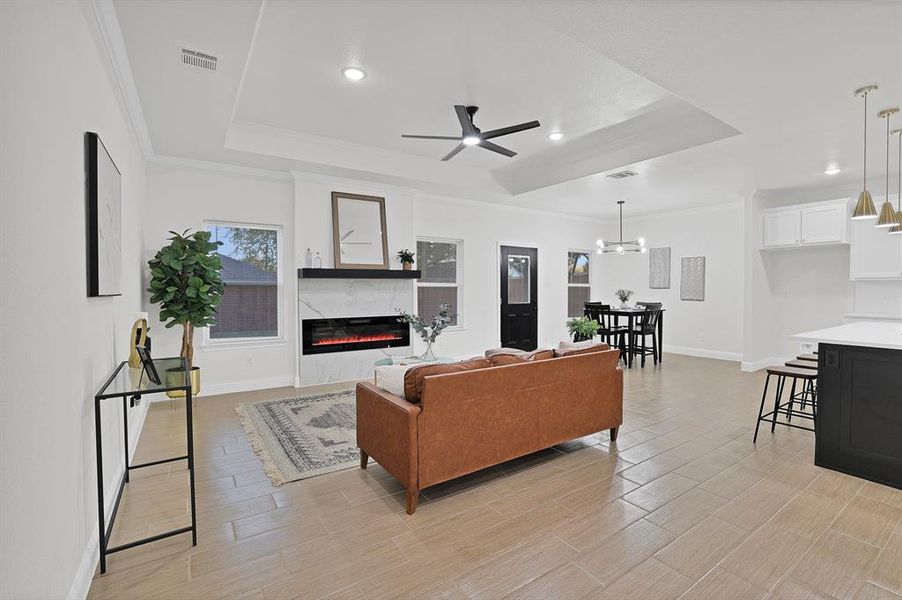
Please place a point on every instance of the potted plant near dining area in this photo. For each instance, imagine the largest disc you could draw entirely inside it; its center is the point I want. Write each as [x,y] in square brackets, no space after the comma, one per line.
[186,281]
[582,329]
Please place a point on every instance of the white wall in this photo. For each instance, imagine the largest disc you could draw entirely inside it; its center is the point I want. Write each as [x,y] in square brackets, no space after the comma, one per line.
[56,344]
[791,290]
[183,197]
[481,226]
[710,328]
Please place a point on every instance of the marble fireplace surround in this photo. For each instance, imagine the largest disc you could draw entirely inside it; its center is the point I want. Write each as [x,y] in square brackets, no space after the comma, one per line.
[332,298]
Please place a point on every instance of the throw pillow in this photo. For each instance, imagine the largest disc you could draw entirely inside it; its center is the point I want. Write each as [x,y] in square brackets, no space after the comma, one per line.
[576,345]
[391,378]
[493,351]
[414,378]
[516,359]
[599,347]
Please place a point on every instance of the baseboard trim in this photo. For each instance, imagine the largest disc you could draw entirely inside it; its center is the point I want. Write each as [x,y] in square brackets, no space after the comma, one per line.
[703,353]
[756,365]
[231,387]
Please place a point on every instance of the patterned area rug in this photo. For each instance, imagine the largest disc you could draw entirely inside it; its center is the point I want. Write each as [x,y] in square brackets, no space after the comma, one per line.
[303,437]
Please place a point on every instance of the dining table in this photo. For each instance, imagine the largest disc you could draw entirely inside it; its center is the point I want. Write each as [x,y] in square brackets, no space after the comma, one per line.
[631,313]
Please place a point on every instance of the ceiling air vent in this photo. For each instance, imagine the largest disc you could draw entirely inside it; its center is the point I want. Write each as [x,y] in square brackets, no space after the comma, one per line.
[622,174]
[193,58]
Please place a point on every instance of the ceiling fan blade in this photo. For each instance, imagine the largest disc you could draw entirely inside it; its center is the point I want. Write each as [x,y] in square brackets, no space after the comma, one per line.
[432,137]
[496,148]
[464,119]
[509,130]
[451,154]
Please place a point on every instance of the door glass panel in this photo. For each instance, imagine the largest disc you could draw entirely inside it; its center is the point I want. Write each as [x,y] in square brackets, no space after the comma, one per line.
[518,279]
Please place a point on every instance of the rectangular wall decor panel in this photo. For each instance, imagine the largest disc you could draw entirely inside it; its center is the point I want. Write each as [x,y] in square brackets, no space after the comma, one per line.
[692,278]
[659,268]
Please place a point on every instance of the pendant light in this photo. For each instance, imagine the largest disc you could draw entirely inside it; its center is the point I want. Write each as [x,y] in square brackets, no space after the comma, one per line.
[620,246]
[898,227]
[864,208]
[887,213]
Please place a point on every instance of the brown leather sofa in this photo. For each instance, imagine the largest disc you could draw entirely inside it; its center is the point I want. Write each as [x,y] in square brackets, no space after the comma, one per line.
[473,419]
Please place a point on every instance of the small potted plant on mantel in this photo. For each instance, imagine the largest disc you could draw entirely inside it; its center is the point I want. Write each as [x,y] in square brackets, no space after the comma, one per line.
[624,296]
[186,280]
[582,329]
[406,258]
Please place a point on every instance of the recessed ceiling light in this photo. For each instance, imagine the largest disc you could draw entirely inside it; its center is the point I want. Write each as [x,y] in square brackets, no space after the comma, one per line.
[832,170]
[470,140]
[555,136]
[353,73]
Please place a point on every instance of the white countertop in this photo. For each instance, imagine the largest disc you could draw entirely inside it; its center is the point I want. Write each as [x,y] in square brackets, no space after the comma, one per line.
[873,334]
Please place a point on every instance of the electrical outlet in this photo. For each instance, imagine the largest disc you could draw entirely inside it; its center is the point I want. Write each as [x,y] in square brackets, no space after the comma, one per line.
[806,347]
[248,361]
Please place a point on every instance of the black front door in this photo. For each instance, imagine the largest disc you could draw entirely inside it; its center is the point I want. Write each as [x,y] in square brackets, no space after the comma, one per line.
[519,298]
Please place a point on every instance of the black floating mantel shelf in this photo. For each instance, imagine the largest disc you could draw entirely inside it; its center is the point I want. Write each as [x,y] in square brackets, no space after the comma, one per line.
[357,274]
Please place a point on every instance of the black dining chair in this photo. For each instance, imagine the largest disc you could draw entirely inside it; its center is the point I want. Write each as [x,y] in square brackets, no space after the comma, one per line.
[647,326]
[650,304]
[608,330]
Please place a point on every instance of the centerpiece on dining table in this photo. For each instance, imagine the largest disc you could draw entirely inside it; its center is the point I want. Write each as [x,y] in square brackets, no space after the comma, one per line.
[624,296]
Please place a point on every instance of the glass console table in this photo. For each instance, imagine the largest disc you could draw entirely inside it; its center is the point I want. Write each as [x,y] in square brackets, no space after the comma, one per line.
[131,384]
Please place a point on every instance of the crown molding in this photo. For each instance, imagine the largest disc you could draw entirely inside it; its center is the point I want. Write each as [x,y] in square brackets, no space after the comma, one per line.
[206,165]
[108,24]
[694,210]
[350,182]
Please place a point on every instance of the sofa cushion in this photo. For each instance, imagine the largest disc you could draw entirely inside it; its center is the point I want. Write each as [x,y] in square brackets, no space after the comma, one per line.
[500,359]
[413,379]
[595,347]
[391,378]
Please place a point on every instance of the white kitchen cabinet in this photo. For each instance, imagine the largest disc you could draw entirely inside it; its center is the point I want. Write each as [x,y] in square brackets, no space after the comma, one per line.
[825,224]
[781,228]
[874,254]
[800,225]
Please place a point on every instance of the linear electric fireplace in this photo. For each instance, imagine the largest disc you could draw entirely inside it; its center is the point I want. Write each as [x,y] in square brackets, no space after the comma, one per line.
[353,333]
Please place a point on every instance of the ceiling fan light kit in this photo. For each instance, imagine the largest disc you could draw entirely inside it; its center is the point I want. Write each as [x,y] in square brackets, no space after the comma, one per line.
[887,213]
[622,247]
[470,135]
[864,208]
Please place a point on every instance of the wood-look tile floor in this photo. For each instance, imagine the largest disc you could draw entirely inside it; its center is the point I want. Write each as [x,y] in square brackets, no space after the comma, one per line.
[683,505]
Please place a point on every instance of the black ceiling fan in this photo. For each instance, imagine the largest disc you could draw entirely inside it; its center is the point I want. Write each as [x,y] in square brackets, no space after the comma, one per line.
[470,135]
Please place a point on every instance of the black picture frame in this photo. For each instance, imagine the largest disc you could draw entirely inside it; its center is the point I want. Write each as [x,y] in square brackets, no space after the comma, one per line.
[147,363]
[103,204]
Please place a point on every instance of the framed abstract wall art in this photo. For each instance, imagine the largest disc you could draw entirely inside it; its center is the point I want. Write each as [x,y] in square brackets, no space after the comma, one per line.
[103,199]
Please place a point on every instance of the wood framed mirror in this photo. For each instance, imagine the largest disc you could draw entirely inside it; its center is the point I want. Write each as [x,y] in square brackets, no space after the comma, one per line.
[359,235]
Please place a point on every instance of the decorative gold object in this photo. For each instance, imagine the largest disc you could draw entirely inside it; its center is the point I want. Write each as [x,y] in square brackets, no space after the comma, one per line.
[864,208]
[887,214]
[195,384]
[138,338]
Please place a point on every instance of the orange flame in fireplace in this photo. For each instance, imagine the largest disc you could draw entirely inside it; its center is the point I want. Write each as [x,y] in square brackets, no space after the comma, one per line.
[378,337]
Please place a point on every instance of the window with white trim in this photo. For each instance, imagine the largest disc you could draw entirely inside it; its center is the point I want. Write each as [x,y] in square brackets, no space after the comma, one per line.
[440,263]
[578,286]
[251,256]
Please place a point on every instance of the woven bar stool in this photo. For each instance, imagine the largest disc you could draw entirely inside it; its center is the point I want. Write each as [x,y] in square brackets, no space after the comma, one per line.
[797,374]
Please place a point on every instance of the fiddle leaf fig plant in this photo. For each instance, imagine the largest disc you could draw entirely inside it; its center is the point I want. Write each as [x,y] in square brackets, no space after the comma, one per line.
[186,281]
